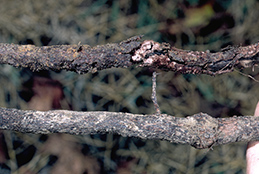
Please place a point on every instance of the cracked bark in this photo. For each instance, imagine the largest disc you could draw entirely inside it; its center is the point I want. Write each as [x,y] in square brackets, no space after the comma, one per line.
[199,130]
[83,58]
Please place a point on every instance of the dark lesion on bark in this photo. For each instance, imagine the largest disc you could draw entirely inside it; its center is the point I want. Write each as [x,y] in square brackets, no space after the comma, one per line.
[78,58]
[147,53]
[163,56]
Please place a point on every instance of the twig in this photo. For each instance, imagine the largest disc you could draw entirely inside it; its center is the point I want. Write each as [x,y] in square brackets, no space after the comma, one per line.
[153,97]
[199,130]
[248,75]
[83,58]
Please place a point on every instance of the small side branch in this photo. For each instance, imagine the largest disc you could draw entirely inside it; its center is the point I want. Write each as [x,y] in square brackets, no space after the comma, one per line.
[199,130]
[153,97]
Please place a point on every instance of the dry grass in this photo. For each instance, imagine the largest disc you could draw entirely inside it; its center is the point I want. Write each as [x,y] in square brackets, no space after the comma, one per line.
[70,22]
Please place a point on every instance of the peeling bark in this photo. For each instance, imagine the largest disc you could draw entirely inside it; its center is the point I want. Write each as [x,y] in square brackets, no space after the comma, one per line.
[83,58]
[163,56]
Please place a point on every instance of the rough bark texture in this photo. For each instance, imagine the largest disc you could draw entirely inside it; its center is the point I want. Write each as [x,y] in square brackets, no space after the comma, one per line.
[83,58]
[165,57]
[78,58]
[199,130]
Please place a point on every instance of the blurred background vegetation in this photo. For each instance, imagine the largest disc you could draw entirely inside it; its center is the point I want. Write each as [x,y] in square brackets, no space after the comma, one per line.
[186,24]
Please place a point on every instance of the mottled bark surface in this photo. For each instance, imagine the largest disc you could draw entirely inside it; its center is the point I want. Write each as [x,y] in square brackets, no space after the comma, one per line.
[83,58]
[199,130]
[78,58]
[165,57]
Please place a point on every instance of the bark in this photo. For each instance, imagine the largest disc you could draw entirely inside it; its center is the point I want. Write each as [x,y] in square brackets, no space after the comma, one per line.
[78,58]
[199,130]
[148,53]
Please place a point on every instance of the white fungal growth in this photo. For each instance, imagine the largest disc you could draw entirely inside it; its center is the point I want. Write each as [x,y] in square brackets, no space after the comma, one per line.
[137,58]
[147,47]
[148,61]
